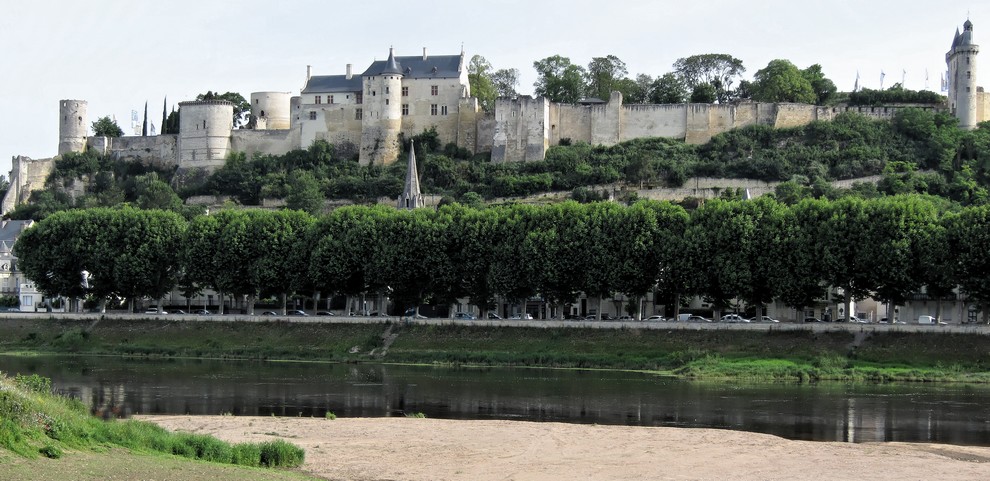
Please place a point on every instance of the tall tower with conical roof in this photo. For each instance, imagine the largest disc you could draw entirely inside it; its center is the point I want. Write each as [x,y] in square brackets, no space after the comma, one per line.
[411,198]
[381,114]
[961,60]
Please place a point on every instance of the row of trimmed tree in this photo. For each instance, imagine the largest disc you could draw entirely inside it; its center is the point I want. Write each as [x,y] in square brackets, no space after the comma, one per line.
[755,251]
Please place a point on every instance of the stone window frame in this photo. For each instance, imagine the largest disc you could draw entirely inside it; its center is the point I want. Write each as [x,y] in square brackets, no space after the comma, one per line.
[434,90]
[312,115]
[318,99]
[405,91]
[433,109]
[358,114]
[405,109]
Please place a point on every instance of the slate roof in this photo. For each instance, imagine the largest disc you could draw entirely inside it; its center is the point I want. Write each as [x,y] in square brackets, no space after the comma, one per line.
[333,83]
[435,66]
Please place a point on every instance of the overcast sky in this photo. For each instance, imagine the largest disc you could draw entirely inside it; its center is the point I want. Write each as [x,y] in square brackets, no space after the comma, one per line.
[119,54]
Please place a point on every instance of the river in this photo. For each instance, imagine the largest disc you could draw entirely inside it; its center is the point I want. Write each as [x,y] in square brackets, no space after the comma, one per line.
[940,413]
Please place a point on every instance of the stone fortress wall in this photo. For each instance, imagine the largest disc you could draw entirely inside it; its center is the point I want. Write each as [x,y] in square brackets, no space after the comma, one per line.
[519,130]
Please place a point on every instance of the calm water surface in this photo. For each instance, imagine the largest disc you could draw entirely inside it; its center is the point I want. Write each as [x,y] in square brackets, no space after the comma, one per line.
[956,414]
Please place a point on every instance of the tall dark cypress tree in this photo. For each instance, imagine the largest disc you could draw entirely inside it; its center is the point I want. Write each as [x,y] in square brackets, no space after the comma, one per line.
[144,126]
[164,128]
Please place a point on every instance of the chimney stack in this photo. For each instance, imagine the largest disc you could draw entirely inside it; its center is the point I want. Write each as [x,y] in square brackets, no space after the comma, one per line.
[309,72]
[424,54]
[349,71]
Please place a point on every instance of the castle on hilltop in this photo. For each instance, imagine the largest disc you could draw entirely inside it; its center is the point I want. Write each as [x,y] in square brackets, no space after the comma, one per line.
[369,113]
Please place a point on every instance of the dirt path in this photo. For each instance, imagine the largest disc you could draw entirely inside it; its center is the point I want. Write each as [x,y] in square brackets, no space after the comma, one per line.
[411,449]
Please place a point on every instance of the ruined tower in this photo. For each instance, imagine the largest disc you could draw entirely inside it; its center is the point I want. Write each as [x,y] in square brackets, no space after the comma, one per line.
[72,128]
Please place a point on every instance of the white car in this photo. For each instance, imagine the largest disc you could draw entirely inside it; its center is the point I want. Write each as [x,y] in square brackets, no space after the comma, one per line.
[764,319]
[733,318]
[521,316]
[655,319]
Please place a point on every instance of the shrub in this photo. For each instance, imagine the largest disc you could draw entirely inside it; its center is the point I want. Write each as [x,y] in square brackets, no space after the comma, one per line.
[279,453]
[51,451]
[331,416]
[34,383]
[246,454]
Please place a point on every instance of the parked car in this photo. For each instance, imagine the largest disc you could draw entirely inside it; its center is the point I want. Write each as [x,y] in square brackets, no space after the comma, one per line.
[177,311]
[324,313]
[525,315]
[269,313]
[655,319]
[607,317]
[154,310]
[202,312]
[694,318]
[764,319]
[626,318]
[464,316]
[733,318]
[296,312]
[812,319]
[411,312]
[492,315]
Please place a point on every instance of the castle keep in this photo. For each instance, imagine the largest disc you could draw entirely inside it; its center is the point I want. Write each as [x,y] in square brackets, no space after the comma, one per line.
[369,113]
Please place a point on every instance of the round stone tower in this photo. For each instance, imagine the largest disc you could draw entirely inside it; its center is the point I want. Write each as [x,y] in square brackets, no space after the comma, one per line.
[72,128]
[204,133]
[381,120]
[961,60]
[271,110]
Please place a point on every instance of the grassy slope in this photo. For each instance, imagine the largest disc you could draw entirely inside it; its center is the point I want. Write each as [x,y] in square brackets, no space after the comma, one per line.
[123,465]
[710,353]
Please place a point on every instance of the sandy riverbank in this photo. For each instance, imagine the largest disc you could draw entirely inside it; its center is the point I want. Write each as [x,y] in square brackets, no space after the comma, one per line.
[410,449]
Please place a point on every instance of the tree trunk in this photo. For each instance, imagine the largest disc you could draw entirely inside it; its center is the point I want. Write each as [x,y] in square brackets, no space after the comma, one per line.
[938,309]
[283,303]
[220,302]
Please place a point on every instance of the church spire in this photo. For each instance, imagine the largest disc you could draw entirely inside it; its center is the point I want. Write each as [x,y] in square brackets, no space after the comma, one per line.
[411,197]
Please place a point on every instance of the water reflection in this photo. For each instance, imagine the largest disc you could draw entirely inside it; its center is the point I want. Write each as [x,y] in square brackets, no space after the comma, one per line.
[829,412]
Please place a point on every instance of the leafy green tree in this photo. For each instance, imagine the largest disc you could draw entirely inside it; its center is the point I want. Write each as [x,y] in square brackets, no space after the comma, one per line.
[968,233]
[847,261]
[668,89]
[800,280]
[279,268]
[510,273]
[559,80]
[824,88]
[242,108]
[553,245]
[106,127]
[342,244]
[305,193]
[145,243]
[153,193]
[604,75]
[704,94]
[505,81]
[637,91]
[480,80]
[781,81]
[715,69]
[51,254]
